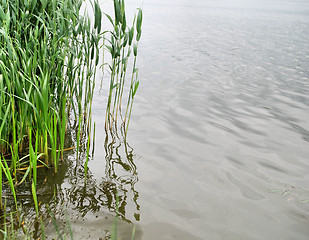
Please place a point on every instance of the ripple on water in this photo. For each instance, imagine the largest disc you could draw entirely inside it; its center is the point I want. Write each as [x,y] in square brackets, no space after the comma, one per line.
[221,120]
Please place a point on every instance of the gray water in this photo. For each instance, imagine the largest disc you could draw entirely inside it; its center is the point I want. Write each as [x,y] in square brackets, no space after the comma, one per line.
[218,144]
[221,120]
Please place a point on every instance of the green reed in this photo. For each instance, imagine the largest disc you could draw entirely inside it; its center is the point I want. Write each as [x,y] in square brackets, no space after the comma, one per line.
[48,55]
[120,46]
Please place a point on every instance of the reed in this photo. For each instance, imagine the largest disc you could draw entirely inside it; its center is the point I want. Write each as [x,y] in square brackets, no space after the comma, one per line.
[49,54]
[121,41]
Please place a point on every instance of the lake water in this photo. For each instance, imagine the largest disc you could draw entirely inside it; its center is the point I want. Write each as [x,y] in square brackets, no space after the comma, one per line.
[218,144]
[221,121]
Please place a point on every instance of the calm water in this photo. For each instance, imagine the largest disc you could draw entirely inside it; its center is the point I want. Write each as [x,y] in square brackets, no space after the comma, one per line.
[218,146]
[221,121]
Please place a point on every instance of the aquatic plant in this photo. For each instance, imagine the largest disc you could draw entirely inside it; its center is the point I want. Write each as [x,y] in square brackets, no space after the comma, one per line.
[122,41]
[49,53]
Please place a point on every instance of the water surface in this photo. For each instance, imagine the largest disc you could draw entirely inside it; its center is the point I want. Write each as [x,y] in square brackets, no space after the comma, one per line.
[218,144]
[221,121]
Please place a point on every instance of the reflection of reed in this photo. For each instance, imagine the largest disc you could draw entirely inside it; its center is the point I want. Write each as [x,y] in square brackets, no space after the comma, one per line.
[83,197]
[120,175]
[88,196]
[120,178]
[67,191]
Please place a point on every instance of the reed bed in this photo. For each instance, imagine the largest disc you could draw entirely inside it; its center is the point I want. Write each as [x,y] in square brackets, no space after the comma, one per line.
[49,55]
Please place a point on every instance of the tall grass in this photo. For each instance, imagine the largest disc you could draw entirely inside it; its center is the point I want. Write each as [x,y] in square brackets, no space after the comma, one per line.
[120,44]
[49,53]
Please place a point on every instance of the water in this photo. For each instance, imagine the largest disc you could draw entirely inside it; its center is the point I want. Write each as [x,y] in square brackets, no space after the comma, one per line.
[218,144]
[221,121]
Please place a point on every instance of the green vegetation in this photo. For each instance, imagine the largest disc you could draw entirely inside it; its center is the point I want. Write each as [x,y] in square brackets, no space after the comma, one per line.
[49,55]
[120,46]
[46,70]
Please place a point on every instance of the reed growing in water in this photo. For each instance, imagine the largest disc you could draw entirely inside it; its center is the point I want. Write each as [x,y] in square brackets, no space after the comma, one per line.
[46,73]
[123,40]
[49,54]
